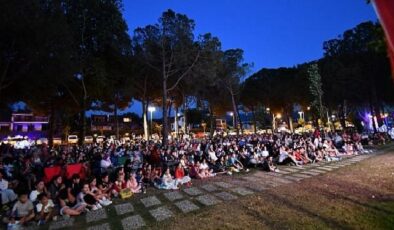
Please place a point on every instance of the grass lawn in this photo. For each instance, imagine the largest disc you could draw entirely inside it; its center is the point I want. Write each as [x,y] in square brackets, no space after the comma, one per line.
[360,196]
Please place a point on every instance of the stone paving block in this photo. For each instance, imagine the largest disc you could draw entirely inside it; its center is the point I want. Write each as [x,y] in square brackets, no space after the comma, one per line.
[133,222]
[207,200]
[186,206]
[63,223]
[194,191]
[293,178]
[311,173]
[224,184]
[258,187]
[242,191]
[171,196]
[291,169]
[161,213]
[210,187]
[327,168]
[150,201]
[226,196]
[301,175]
[282,180]
[317,171]
[124,208]
[96,215]
[100,227]
[283,171]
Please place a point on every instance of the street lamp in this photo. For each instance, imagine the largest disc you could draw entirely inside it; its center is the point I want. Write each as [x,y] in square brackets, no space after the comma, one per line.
[151,109]
[233,117]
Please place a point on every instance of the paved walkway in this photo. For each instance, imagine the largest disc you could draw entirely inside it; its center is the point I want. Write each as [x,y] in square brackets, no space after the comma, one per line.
[161,205]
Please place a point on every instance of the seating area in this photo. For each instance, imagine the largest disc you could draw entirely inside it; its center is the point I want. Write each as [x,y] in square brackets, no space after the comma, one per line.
[87,178]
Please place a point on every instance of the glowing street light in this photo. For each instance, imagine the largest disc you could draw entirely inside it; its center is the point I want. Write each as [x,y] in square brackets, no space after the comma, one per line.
[233,117]
[267,109]
[278,115]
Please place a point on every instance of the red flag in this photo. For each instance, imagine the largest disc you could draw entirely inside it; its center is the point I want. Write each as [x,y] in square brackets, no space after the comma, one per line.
[385,11]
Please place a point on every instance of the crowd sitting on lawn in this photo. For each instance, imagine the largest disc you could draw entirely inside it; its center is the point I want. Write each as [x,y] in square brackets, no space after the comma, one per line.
[110,168]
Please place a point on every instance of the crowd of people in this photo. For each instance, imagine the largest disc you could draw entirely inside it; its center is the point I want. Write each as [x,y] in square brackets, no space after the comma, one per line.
[109,169]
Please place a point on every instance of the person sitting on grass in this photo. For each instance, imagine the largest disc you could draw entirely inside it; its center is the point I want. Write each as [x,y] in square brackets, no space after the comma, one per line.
[23,211]
[236,164]
[45,209]
[181,177]
[7,195]
[87,197]
[40,188]
[132,183]
[167,182]
[103,198]
[106,185]
[204,170]
[69,206]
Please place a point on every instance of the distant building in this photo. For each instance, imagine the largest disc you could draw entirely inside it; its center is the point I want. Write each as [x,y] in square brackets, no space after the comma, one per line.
[26,124]
[107,123]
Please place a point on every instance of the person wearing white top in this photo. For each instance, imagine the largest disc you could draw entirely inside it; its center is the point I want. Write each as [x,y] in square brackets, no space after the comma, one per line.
[7,195]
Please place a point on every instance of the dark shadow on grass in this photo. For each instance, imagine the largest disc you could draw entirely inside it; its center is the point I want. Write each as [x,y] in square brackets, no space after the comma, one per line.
[340,185]
[304,211]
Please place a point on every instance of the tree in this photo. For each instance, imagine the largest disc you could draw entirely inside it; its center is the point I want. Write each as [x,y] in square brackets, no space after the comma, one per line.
[315,87]
[98,29]
[232,73]
[170,49]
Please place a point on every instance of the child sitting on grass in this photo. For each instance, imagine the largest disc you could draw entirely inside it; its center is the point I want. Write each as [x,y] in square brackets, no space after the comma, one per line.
[45,209]
[22,212]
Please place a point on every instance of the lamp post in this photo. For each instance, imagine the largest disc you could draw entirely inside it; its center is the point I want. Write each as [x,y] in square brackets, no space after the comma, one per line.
[151,109]
[232,116]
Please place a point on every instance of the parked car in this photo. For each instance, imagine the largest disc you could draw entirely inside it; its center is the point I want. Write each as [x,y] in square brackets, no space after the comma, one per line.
[57,141]
[42,141]
[88,140]
[100,139]
[72,139]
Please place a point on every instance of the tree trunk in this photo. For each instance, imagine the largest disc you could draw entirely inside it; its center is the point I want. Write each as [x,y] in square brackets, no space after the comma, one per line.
[291,124]
[240,120]
[83,121]
[212,122]
[176,122]
[235,113]
[145,120]
[254,120]
[116,120]
[165,115]
[51,124]
[185,116]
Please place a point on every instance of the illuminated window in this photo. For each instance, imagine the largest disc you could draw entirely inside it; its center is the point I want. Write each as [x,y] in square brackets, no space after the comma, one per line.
[126,119]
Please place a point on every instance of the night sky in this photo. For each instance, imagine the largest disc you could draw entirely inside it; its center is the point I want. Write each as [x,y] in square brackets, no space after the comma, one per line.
[273,33]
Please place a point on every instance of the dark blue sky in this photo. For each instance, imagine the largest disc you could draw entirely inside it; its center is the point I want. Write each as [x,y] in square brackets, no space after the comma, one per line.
[273,33]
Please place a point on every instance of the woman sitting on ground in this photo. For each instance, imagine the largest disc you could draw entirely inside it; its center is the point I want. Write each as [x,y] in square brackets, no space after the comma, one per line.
[86,196]
[205,171]
[236,164]
[181,177]
[40,188]
[132,183]
[105,185]
[69,205]
[120,183]
[100,195]
[167,182]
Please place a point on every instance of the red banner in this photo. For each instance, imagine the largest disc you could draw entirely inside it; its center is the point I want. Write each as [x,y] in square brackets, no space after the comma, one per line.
[385,11]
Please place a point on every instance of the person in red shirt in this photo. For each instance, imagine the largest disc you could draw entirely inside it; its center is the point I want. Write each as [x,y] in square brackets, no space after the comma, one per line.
[180,176]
